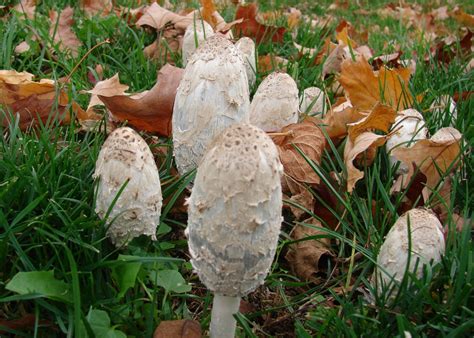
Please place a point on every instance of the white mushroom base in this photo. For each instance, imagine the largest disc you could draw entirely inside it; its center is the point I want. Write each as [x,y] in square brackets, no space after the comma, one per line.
[222,316]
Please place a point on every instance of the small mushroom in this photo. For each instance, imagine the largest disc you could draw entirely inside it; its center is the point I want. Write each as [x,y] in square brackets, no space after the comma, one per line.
[212,95]
[427,247]
[247,48]
[125,160]
[410,127]
[234,219]
[196,33]
[275,104]
[313,101]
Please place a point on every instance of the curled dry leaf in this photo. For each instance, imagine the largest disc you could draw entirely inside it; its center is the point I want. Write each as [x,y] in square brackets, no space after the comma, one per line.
[158,17]
[153,110]
[252,28]
[30,100]
[308,137]
[96,7]
[61,30]
[365,87]
[184,328]
[434,157]
[109,87]
[380,118]
[355,147]
[337,119]
[309,256]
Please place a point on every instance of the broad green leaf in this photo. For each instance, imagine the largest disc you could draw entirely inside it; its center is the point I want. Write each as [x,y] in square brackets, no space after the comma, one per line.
[126,274]
[99,322]
[170,280]
[40,282]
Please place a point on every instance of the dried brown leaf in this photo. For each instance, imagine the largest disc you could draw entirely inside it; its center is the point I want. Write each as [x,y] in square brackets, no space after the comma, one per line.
[434,157]
[380,118]
[152,111]
[338,118]
[96,7]
[109,87]
[61,30]
[352,149]
[184,328]
[308,137]
[365,87]
[252,28]
[158,17]
[308,257]
[27,7]
[268,63]
[31,100]
[463,18]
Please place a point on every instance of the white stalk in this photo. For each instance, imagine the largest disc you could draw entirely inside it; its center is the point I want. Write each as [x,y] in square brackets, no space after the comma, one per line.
[222,316]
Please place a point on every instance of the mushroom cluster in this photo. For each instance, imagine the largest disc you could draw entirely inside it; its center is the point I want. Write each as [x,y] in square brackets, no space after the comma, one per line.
[213,94]
[126,168]
[234,218]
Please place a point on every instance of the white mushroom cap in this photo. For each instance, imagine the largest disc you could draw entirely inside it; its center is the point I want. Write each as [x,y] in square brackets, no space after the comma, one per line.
[247,48]
[126,156]
[313,97]
[427,245]
[411,128]
[213,94]
[234,214]
[275,104]
[197,32]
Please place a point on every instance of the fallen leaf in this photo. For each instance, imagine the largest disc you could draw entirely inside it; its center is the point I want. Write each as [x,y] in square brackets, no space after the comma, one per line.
[108,88]
[463,18]
[22,47]
[152,111]
[27,321]
[365,87]
[96,7]
[338,118]
[353,148]
[158,17]
[207,12]
[434,157]
[387,60]
[27,7]
[61,30]
[380,118]
[302,197]
[309,256]
[252,28]
[308,137]
[30,100]
[440,13]
[184,328]
[96,75]
[269,63]
[445,53]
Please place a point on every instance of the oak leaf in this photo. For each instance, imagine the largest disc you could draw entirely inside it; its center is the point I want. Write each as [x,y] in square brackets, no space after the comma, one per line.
[309,256]
[308,137]
[338,118]
[252,28]
[434,157]
[152,110]
[30,100]
[61,30]
[365,87]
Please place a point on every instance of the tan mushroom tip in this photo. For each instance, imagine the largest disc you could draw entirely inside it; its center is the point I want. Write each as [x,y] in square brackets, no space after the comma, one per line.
[234,213]
[125,161]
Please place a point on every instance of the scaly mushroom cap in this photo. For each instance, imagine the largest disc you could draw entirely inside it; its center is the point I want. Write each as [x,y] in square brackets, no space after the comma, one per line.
[275,104]
[126,156]
[198,32]
[234,213]
[313,97]
[247,48]
[411,128]
[213,94]
[427,244]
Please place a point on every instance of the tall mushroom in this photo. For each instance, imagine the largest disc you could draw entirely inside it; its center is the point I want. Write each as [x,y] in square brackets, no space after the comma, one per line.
[275,104]
[313,101]
[212,95]
[125,160]
[234,219]
[418,227]
[247,48]
[196,33]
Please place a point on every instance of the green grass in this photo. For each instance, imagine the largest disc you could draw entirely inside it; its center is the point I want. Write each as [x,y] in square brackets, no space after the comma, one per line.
[47,218]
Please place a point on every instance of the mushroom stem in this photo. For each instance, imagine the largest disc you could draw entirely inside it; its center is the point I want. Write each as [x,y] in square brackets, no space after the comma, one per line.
[222,316]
